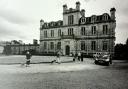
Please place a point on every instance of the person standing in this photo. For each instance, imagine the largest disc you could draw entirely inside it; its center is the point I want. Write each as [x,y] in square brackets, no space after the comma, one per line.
[28,57]
[79,56]
[82,57]
[75,57]
[58,57]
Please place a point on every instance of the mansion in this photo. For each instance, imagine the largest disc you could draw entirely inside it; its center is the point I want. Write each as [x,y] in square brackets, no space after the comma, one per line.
[78,33]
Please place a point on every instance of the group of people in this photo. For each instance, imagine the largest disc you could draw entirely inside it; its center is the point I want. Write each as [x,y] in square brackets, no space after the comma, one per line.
[78,57]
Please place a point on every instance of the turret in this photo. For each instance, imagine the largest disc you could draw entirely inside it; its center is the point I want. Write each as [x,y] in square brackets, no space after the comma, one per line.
[83,13]
[41,23]
[112,12]
[64,8]
[77,5]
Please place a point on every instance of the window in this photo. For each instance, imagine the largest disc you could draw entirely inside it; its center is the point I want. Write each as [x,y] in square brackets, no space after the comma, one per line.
[82,45]
[93,30]
[83,32]
[105,45]
[93,18]
[70,31]
[105,17]
[45,34]
[59,45]
[105,29]
[70,19]
[93,45]
[51,45]
[82,19]
[45,45]
[52,33]
[59,32]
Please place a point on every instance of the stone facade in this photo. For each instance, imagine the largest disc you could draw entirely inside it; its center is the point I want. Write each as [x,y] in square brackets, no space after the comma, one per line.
[78,33]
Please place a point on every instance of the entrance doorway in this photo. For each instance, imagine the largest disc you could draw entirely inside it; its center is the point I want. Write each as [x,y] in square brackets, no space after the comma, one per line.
[67,50]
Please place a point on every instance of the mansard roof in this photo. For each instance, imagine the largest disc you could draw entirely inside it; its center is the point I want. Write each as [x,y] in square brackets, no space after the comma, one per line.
[95,19]
[53,24]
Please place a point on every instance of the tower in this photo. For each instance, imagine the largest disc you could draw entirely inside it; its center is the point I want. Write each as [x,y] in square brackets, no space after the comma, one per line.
[112,12]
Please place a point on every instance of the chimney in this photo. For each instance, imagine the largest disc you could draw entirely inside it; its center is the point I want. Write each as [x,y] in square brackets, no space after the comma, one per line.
[78,5]
[112,12]
[83,13]
[64,8]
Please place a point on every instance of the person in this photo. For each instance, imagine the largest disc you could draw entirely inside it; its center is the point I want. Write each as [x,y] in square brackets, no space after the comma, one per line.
[57,58]
[28,57]
[110,58]
[79,56]
[75,57]
[82,57]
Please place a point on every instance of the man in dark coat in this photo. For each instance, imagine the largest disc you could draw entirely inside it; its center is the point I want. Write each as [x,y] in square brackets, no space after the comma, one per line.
[82,57]
[28,57]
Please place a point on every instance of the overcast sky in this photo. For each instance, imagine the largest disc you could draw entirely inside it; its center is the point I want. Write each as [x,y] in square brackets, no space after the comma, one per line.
[19,19]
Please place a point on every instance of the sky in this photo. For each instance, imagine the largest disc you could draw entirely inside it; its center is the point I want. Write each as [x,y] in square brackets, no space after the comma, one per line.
[20,19]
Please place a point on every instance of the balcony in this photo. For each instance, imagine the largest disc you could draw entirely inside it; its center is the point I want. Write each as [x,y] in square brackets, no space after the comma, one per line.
[68,36]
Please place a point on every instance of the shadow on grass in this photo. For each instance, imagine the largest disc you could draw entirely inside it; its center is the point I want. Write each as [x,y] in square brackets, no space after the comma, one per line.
[35,63]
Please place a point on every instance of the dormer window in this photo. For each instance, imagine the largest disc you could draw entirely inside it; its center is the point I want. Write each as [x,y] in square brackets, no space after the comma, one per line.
[105,16]
[52,23]
[59,23]
[45,25]
[93,18]
[83,20]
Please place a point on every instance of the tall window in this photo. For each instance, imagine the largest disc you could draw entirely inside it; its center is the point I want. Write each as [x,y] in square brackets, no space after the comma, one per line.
[51,45]
[105,17]
[59,45]
[105,29]
[45,34]
[70,19]
[52,33]
[83,32]
[59,32]
[45,45]
[105,45]
[82,45]
[93,30]
[93,45]
[70,31]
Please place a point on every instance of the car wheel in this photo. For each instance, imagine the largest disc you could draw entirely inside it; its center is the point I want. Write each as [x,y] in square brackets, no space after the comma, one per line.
[96,62]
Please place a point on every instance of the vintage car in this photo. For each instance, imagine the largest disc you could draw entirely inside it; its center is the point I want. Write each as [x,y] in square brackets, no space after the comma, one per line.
[102,58]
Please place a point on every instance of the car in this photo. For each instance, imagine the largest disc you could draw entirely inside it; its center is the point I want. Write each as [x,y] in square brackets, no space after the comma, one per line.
[102,58]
